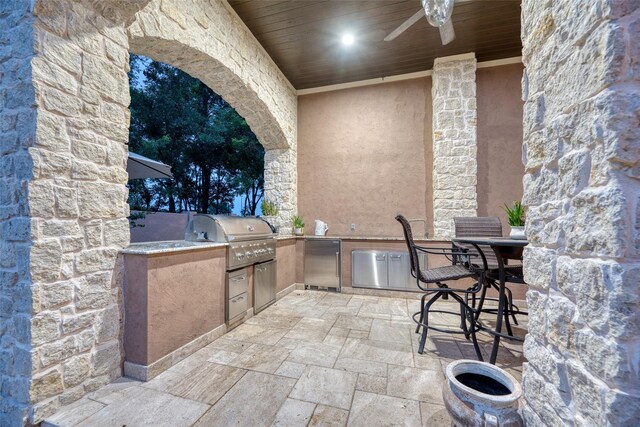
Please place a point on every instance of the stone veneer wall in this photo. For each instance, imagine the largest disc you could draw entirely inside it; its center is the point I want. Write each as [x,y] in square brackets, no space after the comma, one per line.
[64,99]
[17,133]
[582,192]
[455,162]
[209,41]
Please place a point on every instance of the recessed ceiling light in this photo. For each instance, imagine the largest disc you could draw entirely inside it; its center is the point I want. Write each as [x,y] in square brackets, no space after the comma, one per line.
[347,39]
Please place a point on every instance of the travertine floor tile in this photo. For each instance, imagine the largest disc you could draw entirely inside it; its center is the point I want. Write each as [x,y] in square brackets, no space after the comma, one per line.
[147,407]
[371,384]
[74,413]
[207,385]
[319,354]
[263,358]
[354,322]
[384,330]
[378,351]
[370,409]
[224,343]
[368,367]
[253,401]
[326,386]
[434,415]
[223,357]
[114,391]
[256,334]
[294,413]
[271,320]
[328,416]
[291,369]
[416,384]
[354,333]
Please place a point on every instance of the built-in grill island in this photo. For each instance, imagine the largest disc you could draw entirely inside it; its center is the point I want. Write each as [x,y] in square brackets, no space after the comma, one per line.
[252,245]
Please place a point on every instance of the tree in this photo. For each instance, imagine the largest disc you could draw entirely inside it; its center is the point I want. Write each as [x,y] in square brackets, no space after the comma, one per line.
[178,120]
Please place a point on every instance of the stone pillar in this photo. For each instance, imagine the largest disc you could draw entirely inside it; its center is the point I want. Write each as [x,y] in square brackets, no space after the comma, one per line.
[454,141]
[17,133]
[280,185]
[64,207]
[581,191]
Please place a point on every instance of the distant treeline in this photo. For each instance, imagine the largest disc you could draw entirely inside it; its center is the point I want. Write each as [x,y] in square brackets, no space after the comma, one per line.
[213,154]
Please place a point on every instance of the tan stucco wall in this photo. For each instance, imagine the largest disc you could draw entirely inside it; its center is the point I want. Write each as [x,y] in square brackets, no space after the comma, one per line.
[500,168]
[365,153]
[171,300]
[361,156]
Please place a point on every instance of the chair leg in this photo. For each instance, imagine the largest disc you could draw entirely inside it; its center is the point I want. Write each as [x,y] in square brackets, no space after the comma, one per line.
[463,313]
[483,294]
[425,325]
[421,312]
[474,340]
[506,316]
[511,310]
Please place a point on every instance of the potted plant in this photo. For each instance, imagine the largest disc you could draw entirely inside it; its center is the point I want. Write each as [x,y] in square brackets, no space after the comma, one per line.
[270,214]
[515,215]
[298,225]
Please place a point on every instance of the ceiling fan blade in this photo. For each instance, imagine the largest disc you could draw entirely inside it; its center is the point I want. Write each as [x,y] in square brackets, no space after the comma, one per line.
[446,32]
[405,25]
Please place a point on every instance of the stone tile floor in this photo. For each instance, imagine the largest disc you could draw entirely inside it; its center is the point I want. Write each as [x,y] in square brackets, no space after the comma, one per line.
[312,359]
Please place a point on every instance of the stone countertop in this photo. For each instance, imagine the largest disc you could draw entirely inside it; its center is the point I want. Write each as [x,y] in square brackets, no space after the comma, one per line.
[166,247]
[355,237]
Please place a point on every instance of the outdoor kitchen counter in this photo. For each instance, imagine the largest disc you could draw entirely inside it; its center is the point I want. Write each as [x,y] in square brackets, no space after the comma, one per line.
[354,237]
[174,301]
[169,246]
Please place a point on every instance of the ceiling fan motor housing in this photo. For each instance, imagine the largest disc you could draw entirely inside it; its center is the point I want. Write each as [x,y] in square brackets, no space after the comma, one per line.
[438,12]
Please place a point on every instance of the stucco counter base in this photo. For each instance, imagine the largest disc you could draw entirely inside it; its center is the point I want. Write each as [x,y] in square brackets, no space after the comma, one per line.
[174,305]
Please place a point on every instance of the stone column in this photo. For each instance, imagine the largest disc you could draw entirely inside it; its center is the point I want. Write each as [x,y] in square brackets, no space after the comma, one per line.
[581,191]
[17,132]
[454,141]
[64,206]
[280,185]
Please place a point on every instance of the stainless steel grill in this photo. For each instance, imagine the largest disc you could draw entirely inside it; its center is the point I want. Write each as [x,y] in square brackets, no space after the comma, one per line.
[250,239]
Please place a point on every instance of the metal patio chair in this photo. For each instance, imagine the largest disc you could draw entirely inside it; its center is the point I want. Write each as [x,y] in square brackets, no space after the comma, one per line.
[438,276]
[488,227]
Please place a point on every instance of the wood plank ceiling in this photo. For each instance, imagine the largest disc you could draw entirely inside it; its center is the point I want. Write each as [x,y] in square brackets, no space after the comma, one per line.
[303,36]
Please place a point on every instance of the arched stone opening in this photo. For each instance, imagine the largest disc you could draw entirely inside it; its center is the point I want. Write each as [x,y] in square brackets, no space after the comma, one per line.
[237,70]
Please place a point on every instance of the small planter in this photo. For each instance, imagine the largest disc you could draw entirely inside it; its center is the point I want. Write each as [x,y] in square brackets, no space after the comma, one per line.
[517,232]
[298,231]
[480,394]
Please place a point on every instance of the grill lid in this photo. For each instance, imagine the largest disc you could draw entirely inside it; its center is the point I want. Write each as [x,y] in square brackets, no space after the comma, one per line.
[226,228]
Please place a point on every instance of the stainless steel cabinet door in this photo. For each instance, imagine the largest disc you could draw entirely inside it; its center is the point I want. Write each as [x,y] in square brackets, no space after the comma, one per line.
[369,269]
[264,285]
[322,263]
[399,270]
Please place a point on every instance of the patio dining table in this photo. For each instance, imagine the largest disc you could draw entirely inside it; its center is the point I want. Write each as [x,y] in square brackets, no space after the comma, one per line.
[504,249]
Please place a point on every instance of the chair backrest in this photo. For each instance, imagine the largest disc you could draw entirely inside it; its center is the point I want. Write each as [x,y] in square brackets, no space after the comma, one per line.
[479,226]
[408,237]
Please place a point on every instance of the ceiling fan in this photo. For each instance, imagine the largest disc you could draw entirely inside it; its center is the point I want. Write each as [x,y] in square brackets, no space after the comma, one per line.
[438,13]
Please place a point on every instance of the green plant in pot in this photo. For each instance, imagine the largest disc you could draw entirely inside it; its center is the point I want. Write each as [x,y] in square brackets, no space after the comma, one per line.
[298,225]
[515,216]
[270,214]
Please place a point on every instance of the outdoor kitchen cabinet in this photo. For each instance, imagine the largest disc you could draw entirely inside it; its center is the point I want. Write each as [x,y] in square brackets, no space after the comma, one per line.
[236,302]
[322,263]
[383,270]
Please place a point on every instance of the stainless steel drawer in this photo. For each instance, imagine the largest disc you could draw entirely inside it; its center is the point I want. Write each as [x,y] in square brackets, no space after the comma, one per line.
[237,306]
[238,282]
